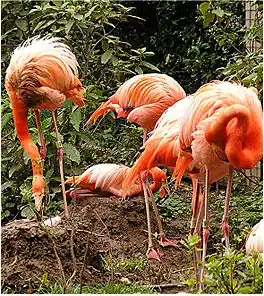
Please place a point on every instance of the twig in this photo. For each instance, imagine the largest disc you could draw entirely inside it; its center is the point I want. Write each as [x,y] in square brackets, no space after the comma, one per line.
[165,286]
[184,269]
[73,258]
[84,263]
[248,177]
[86,231]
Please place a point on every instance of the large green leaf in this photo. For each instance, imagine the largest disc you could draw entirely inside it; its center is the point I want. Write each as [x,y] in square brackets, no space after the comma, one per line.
[75,119]
[204,7]
[69,26]
[71,152]
[150,66]
[106,56]
[21,24]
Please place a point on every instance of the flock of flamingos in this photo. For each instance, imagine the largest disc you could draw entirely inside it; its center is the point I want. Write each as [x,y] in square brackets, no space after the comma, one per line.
[205,135]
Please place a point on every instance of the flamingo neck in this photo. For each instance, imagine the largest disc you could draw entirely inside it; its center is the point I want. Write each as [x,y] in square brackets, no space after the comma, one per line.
[235,133]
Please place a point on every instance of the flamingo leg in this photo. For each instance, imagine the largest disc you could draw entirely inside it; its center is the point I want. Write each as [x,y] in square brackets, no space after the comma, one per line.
[43,149]
[205,228]
[164,241]
[151,252]
[225,225]
[196,254]
[60,156]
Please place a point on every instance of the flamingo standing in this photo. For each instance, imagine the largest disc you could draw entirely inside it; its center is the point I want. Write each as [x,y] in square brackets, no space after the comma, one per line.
[202,141]
[162,149]
[254,241]
[42,74]
[142,100]
[222,130]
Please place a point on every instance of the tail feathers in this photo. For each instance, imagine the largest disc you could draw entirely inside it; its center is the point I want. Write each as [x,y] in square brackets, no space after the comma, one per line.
[72,180]
[181,167]
[102,110]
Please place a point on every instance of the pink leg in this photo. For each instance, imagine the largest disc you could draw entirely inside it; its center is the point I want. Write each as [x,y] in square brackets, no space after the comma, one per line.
[196,191]
[60,155]
[164,241]
[151,252]
[205,228]
[225,225]
[43,149]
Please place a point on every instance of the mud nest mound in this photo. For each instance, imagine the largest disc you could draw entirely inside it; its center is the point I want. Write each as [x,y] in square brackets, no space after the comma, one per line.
[101,232]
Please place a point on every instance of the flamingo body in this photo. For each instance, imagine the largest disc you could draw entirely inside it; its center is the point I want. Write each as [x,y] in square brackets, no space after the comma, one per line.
[42,74]
[142,99]
[109,177]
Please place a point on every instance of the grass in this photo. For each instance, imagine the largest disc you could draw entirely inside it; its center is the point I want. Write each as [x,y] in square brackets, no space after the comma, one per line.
[125,264]
[109,288]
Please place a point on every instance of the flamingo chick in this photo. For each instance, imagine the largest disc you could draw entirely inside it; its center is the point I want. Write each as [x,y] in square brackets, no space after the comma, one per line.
[42,74]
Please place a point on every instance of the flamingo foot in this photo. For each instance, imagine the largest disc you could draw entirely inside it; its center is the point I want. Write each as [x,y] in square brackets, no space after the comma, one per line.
[165,242]
[153,254]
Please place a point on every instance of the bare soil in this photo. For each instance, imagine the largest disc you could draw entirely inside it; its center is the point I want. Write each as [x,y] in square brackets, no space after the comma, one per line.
[101,227]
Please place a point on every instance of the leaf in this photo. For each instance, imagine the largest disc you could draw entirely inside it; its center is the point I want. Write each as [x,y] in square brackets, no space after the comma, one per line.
[105,45]
[21,24]
[219,12]
[27,212]
[204,7]
[106,56]
[221,42]
[13,169]
[78,17]
[5,119]
[90,11]
[250,78]
[6,185]
[208,19]
[150,66]
[71,152]
[114,60]
[69,26]
[76,118]
[138,70]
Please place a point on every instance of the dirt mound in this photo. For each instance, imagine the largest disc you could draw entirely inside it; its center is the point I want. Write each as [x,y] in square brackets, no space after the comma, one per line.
[100,233]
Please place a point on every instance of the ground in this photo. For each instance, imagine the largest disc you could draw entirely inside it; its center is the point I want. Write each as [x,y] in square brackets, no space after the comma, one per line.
[113,235]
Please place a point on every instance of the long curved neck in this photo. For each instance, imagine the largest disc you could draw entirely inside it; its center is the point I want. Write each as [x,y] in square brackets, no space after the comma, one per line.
[236,138]
[157,183]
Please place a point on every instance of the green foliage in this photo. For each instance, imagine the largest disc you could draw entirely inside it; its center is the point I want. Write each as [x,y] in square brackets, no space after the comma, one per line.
[47,287]
[234,273]
[125,264]
[246,65]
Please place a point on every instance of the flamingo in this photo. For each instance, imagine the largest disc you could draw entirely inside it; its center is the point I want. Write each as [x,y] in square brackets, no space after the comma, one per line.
[254,241]
[162,149]
[201,140]
[221,131]
[142,100]
[42,74]
[109,177]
